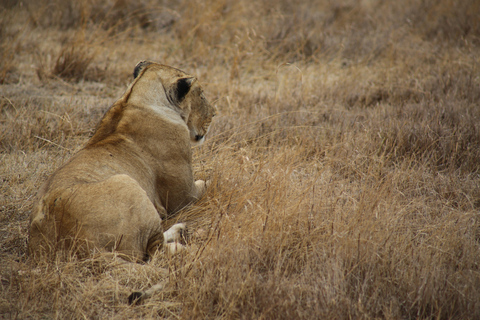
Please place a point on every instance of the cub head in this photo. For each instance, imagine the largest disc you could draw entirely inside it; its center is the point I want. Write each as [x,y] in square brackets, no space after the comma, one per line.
[183,93]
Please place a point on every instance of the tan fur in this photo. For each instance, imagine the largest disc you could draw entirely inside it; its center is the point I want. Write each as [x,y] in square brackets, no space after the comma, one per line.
[135,171]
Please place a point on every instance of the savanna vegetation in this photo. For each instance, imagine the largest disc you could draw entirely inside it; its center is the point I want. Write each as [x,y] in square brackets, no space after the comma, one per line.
[344,159]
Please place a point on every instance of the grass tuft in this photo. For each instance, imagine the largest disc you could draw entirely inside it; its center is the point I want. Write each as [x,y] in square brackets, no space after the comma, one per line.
[72,62]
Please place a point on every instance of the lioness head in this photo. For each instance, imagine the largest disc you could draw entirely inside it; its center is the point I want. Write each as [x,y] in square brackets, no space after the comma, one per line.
[184,93]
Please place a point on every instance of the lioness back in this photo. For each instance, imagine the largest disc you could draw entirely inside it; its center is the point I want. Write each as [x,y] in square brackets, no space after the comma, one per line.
[134,171]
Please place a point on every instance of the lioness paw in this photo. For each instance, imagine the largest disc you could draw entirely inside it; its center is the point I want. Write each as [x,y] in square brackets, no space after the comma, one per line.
[176,233]
[200,184]
[201,187]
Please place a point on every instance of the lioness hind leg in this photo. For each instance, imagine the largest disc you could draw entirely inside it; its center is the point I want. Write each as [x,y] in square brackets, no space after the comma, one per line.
[114,215]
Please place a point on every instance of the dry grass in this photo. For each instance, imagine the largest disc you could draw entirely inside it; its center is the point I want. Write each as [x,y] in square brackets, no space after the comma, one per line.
[344,159]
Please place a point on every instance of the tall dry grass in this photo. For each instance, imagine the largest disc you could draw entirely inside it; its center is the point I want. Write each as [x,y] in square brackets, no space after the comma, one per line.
[343,160]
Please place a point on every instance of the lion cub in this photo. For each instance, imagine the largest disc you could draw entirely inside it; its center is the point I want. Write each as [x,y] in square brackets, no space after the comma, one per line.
[135,171]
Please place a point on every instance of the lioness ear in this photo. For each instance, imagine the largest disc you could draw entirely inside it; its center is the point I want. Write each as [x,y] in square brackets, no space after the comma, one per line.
[139,67]
[183,87]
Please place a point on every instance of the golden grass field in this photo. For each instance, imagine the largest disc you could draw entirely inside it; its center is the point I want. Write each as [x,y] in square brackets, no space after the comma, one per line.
[344,159]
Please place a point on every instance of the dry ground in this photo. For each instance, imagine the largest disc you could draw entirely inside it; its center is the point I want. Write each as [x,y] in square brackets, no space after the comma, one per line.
[344,157]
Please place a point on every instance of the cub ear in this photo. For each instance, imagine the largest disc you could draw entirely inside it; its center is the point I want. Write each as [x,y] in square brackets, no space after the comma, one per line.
[183,87]
[139,67]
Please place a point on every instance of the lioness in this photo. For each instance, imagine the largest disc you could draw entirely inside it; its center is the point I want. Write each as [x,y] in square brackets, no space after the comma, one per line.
[135,171]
